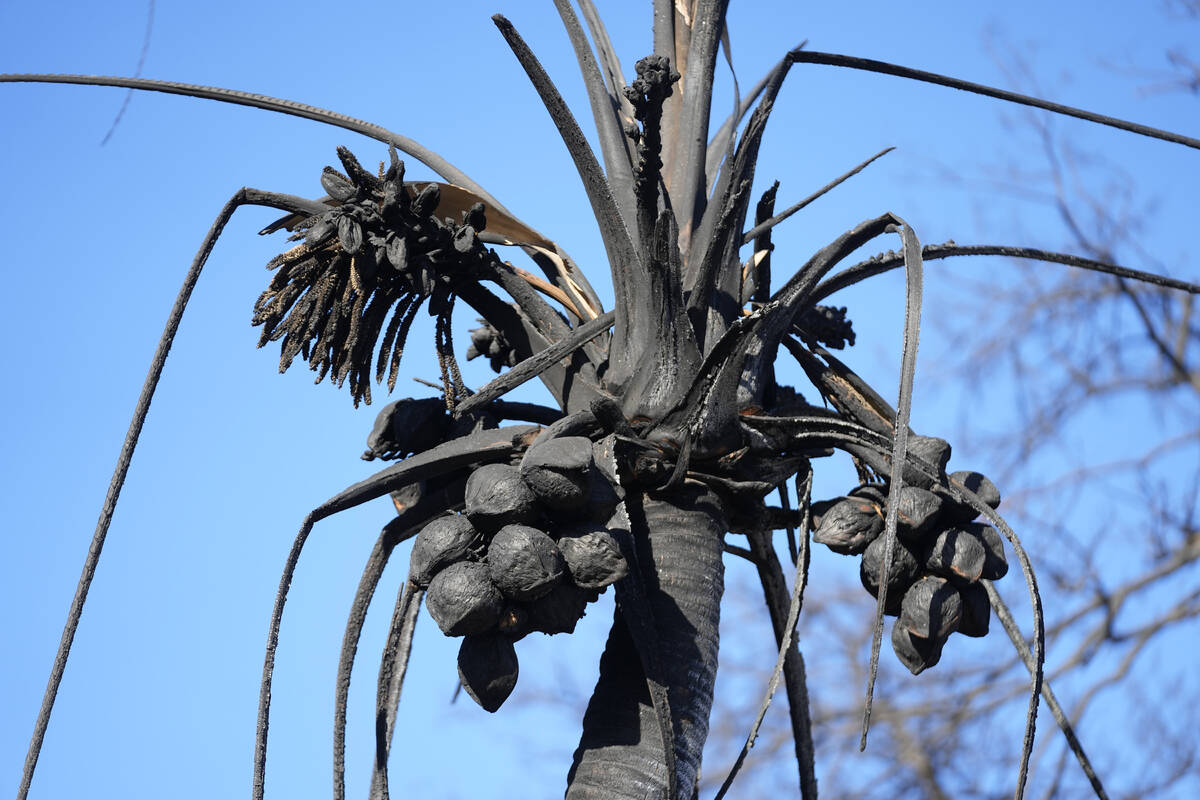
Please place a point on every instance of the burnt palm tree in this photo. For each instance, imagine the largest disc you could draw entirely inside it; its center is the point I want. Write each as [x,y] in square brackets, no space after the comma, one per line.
[669,433]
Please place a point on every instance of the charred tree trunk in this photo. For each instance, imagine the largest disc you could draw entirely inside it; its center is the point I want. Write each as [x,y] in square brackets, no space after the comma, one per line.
[679,544]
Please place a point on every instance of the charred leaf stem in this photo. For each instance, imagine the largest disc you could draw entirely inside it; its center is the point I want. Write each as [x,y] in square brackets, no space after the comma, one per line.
[242,197]
[871,65]
[622,256]
[900,431]
[392,668]
[889,261]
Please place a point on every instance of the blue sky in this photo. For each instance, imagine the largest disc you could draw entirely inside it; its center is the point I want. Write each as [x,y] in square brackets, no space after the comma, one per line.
[161,692]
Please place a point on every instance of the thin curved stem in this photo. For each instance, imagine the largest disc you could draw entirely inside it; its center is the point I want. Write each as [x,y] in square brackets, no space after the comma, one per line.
[392,669]
[871,65]
[241,197]
[1064,723]
[880,264]
[913,269]
[418,151]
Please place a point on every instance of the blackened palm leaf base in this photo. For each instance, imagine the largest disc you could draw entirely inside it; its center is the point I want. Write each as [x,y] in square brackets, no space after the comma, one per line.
[679,545]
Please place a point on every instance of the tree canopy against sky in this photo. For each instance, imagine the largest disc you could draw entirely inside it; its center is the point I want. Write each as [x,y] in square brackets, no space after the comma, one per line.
[508,135]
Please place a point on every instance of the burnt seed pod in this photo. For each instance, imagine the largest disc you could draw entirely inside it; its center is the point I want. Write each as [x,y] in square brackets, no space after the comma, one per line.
[931,609]
[875,492]
[916,511]
[560,609]
[488,668]
[462,599]
[524,562]
[444,541]
[915,653]
[594,559]
[559,471]
[956,512]
[496,496]
[904,572]
[849,526]
[995,566]
[976,611]
[957,553]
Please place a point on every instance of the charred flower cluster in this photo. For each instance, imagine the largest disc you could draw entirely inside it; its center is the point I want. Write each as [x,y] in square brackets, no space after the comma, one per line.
[380,249]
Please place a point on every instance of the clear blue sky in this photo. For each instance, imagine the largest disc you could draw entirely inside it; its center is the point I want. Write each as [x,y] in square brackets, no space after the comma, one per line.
[160,696]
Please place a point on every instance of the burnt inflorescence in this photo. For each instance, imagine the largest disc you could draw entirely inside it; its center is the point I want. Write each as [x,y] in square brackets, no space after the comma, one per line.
[490,342]
[380,250]
[826,325]
[528,552]
[940,555]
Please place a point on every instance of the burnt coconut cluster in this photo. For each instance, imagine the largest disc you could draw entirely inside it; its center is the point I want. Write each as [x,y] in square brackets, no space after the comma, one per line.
[941,554]
[529,551]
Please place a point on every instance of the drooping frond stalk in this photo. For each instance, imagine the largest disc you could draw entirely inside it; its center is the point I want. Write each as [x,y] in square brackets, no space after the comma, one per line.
[418,151]
[96,547]
[871,65]
[913,274]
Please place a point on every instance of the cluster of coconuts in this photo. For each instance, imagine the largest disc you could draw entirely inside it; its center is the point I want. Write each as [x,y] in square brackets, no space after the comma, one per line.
[940,555]
[528,553]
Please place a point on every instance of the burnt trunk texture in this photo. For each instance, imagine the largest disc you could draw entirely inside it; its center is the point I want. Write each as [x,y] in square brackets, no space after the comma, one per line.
[679,538]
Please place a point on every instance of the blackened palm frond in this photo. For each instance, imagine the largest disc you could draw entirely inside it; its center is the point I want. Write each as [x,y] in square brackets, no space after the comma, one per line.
[419,504]
[716,288]
[760,226]
[573,384]
[671,36]
[686,166]
[757,387]
[913,273]
[606,112]
[613,74]
[627,270]
[665,371]
[725,134]
[418,151]
[871,65]
[888,261]
[1039,631]
[372,572]
[737,170]
[96,547]
[1064,723]
[392,669]
[783,618]
[534,365]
